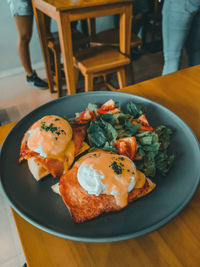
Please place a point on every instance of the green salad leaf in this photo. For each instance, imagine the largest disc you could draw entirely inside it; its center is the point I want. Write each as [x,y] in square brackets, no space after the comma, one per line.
[132,129]
[96,135]
[134,109]
[164,134]
[111,133]
[164,162]
[101,134]
[152,151]
[108,117]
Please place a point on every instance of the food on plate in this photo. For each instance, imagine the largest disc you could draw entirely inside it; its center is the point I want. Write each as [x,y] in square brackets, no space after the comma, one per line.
[50,146]
[118,150]
[99,182]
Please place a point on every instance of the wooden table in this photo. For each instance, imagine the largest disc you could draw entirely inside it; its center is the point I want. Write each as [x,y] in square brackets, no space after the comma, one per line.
[66,11]
[175,244]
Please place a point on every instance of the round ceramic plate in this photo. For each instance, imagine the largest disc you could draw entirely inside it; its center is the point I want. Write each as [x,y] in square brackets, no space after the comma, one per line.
[37,204]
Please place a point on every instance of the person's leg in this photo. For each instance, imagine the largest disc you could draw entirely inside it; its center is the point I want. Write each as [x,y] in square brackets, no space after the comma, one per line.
[22,12]
[24,26]
[193,42]
[175,29]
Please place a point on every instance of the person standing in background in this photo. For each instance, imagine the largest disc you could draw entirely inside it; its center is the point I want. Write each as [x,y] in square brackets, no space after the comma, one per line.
[180,29]
[23,16]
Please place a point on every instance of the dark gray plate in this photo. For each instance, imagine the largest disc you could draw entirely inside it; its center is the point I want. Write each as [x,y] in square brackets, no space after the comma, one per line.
[37,204]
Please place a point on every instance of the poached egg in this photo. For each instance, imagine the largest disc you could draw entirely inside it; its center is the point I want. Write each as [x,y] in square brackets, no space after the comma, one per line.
[103,172]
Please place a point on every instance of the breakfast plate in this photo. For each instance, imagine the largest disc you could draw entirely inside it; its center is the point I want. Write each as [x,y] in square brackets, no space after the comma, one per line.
[40,206]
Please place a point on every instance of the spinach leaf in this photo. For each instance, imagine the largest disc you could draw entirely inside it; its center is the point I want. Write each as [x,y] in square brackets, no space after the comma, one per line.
[147,149]
[147,138]
[121,131]
[96,134]
[101,134]
[121,117]
[164,162]
[108,117]
[110,131]
[132,129]
[149,164]
[109,146]
[164,134]
[134,109]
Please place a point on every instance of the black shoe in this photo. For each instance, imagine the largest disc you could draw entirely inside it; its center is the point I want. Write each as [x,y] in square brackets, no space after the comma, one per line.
[35,81]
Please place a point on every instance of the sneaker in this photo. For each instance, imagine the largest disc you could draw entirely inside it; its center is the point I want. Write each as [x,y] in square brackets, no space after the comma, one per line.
[35,81]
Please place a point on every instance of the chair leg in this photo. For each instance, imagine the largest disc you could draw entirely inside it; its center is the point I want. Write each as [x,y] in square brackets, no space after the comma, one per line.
[130,74]
[51,75]
[57,59]
[76,75]
[121,75]
[88,83]
[105,77]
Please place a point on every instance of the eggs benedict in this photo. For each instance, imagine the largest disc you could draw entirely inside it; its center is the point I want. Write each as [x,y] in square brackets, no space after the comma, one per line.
[101,182]
[49,146]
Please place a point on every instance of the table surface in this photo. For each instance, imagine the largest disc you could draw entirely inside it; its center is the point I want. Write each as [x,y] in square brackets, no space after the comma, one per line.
[175,244]
[74,4]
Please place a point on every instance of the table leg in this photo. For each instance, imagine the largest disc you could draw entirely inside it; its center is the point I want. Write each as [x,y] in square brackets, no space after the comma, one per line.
[125,29]
[41,26]
[64,29]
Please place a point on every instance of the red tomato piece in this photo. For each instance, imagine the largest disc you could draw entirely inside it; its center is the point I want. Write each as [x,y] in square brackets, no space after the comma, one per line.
[145,128]
[145,124]
[114,111]
[86,116]
[127,146]
[109,106]
[143,120]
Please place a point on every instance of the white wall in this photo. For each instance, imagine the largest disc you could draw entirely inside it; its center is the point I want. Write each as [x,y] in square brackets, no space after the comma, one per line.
[9,60]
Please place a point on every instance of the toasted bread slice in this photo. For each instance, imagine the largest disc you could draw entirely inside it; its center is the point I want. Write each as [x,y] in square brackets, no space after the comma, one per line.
[84,206]
[36,169]
[41,167]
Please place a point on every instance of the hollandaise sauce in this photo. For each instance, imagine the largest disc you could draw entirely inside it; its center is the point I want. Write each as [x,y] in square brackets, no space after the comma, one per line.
[49,136]
[102,172]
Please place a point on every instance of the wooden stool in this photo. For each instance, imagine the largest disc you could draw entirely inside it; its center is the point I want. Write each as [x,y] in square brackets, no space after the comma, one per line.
[99,61]
[79,41]
[110,38]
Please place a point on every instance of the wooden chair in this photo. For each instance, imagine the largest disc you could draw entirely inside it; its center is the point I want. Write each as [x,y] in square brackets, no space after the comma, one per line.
[110,37]
[100,61]
[79,41]
[92,62]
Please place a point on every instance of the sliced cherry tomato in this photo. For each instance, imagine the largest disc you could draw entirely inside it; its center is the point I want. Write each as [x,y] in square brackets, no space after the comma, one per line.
[127,146]
[109,106]
[145,124]
[86,116]
[143,120]
[114,111]
[145,128]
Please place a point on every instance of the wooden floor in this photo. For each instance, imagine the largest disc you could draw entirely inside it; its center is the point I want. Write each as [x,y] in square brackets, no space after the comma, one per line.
[16,100]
